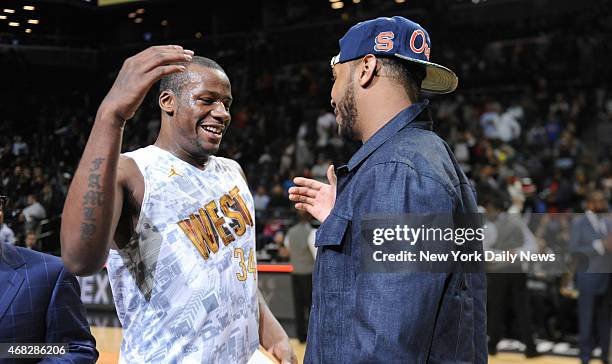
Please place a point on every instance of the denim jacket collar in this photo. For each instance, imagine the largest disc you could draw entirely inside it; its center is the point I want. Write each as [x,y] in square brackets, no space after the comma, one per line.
[399,121]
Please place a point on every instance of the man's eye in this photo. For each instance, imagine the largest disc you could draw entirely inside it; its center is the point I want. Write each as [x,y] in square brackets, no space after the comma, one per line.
[206,101]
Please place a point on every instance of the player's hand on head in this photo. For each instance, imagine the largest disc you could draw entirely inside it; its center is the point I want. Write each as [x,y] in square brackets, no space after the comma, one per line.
[138,74]
[315,197]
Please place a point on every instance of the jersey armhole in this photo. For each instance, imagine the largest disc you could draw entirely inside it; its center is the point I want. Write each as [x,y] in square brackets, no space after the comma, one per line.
[145,196]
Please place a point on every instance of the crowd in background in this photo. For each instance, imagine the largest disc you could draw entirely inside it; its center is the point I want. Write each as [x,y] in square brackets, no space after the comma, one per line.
[531,124]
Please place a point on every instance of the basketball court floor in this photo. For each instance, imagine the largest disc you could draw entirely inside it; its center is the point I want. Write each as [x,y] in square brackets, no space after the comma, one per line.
[109,342]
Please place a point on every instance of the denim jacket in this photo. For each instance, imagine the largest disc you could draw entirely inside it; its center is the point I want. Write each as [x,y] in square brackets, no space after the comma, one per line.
[361,317]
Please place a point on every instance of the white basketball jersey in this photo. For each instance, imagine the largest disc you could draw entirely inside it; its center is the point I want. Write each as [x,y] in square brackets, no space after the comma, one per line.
[185,285]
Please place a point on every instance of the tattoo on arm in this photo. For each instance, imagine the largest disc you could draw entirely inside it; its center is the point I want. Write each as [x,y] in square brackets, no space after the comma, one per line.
[92,199]
[95,165]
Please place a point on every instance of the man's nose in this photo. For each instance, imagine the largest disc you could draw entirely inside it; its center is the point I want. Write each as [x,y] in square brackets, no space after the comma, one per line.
[220,111]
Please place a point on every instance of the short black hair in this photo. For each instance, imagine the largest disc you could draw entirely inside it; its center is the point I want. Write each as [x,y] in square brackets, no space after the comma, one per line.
[175,81]
[406,74]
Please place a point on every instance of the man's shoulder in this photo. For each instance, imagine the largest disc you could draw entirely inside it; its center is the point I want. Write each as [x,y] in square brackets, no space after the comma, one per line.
[229,163]
[421,151]
[36,263]
[35,259]
[408,142]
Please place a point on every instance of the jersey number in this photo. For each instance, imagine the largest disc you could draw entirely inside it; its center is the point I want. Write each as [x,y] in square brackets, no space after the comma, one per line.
[252,268]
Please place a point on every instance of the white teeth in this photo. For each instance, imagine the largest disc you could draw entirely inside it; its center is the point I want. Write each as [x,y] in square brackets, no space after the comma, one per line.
[212,129]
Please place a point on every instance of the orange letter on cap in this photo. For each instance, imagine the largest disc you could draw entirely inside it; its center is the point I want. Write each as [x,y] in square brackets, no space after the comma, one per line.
[413,38]
[384,41]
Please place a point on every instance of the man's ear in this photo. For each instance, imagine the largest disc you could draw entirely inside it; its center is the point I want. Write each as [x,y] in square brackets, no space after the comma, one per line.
[167,102]
[367,70]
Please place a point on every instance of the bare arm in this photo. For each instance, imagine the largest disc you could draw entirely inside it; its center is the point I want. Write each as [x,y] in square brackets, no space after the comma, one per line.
[95,197]
[90,212]
[272,336]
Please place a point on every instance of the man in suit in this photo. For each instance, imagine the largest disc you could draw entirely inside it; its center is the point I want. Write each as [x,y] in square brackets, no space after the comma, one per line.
[40,303]
[590,235]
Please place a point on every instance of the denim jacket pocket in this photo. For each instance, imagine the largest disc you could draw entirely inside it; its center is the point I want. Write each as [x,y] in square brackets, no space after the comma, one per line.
[332,232]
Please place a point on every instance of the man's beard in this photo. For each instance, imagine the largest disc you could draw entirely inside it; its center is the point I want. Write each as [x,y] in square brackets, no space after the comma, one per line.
[348,115]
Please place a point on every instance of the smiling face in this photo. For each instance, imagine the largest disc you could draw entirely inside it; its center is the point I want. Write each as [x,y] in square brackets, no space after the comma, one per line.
[343,100]
[199,114]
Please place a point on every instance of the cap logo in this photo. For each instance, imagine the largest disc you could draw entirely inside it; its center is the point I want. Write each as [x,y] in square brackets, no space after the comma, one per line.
[384,41]
[424,47]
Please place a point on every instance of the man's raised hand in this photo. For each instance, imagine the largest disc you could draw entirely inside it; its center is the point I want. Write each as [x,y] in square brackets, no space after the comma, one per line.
[315,197]
[137,76]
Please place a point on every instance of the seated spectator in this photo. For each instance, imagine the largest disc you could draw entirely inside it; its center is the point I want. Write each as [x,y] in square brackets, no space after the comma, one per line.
[319,170]
[277,197]
[326,121]
[33,213]
[19,146]
[6,233]
[31,241]
[52,201]
[261,198]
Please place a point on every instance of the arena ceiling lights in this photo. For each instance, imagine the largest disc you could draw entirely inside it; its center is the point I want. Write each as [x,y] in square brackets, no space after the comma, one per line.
[16,16]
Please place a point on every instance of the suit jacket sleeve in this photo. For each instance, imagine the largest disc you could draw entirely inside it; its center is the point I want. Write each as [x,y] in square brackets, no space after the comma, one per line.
[66,323]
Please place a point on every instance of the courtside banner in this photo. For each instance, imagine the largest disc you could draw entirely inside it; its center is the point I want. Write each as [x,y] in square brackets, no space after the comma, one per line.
[551,243]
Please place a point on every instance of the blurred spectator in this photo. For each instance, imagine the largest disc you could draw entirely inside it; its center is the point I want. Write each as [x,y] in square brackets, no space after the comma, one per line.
[261,198]
[278,197]
[33,213]
[275,247]
[303,154]
[326,122]
[506,284]
[31,241]
[462,148]
[51,200]
[489,120]
[6,234]
[507,125]
[319,170]
[19,146]
[301,252]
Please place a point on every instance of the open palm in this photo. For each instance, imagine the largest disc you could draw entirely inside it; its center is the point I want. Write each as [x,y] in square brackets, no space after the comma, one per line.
[316,198]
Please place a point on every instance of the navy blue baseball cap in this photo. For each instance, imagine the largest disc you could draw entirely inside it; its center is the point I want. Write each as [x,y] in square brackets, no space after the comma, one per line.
[396,37]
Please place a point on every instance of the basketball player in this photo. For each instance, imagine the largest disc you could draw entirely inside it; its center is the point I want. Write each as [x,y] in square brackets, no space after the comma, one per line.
[178,221]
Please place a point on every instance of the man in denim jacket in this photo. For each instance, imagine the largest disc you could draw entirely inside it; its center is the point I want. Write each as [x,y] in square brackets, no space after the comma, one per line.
[402,168]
